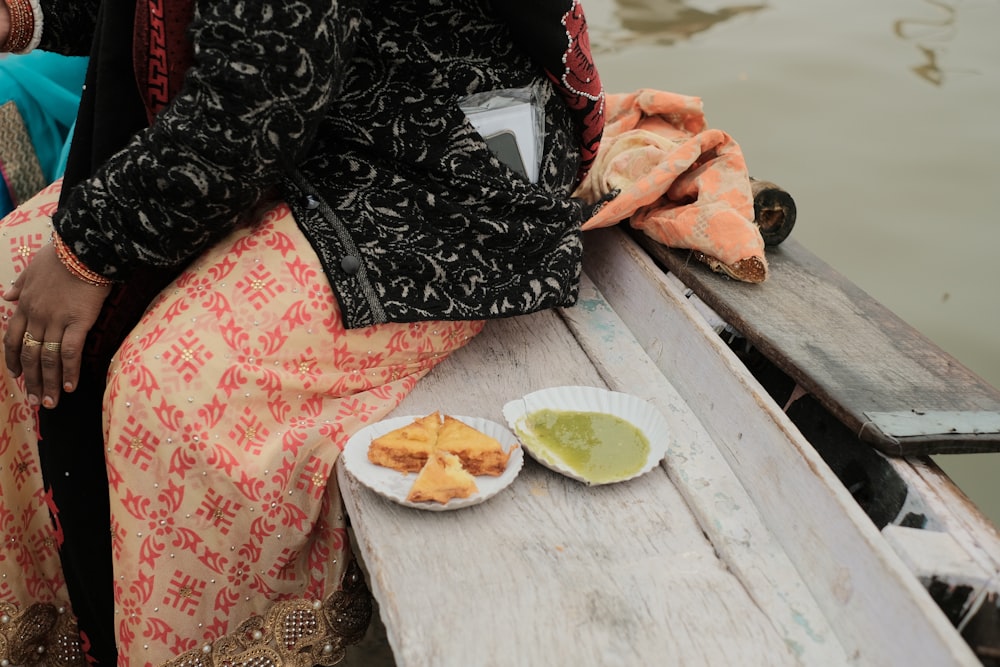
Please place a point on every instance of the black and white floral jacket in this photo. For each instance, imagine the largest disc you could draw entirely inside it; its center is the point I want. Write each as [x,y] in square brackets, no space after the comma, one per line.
[348,110]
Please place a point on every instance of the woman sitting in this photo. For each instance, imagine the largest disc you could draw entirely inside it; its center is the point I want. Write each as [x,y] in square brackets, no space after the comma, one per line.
[275,219]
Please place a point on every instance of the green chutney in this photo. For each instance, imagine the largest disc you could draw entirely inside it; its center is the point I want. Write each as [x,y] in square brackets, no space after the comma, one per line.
[597,446]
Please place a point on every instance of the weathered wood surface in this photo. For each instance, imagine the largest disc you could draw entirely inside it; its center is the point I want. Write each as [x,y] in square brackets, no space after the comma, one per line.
[860,360]
[952,512]
[974,543]
[550,571]
[714,494]
[929,495]
[741,549]
[853,574]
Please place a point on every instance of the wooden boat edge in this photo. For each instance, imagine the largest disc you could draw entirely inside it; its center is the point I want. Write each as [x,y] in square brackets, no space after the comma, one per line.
[866,576]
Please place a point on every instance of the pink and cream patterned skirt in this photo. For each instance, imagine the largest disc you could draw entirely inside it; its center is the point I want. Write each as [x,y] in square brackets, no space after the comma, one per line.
[224,414]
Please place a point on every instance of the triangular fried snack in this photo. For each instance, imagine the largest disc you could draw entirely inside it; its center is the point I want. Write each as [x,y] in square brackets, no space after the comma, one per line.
[441,479]
[406,448]
[480,453]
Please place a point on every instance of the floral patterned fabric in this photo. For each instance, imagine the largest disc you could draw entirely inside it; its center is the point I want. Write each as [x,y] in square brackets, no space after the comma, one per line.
[225,412]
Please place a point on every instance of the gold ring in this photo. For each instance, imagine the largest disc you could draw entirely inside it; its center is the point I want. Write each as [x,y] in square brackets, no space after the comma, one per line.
[30,341]
[52,347]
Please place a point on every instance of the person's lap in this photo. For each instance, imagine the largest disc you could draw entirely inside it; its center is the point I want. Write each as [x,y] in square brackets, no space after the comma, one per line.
[225,411]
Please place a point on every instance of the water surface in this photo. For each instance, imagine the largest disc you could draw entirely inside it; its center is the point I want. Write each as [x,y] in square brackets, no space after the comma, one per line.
[881,119]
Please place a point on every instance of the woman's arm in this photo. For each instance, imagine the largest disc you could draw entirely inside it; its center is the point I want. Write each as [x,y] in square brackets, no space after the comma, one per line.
[262,76]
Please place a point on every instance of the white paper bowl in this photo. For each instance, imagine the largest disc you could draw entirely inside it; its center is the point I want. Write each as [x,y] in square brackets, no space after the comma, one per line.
[638,412]
[395,485]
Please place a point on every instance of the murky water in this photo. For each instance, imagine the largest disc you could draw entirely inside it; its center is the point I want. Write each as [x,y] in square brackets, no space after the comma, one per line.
[881,119]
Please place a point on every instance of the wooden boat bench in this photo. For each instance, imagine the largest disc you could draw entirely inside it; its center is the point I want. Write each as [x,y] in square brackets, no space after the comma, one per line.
[875,397]
[884,380]
[741,548]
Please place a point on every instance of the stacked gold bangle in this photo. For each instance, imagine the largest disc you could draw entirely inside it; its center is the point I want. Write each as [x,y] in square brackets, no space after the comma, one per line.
[22,25]
[75,266]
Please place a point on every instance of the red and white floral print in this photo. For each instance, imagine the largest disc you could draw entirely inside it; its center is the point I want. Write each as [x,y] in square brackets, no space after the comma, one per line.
[225,411]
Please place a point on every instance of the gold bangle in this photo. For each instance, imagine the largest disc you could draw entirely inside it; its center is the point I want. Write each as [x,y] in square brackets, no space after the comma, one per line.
[22,26]
[75,266]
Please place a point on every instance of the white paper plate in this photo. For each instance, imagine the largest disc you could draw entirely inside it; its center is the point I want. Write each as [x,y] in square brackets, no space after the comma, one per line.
[395,485]
[641,414]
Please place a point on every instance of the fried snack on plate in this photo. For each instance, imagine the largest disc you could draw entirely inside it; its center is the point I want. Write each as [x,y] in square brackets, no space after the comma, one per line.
[441,479]
[407,449]
[480,453]
[448,454]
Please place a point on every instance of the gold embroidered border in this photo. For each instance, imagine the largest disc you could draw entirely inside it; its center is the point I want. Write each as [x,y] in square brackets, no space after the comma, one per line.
[293,633]
[41,634]
[21,169]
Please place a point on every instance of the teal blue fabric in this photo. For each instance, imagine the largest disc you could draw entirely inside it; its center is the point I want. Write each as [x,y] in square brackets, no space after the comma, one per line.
[46,88]
[6,204]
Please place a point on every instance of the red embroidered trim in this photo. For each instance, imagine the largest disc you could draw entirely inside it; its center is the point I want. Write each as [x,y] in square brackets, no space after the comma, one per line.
[158,78]
[581,83]
[162,53]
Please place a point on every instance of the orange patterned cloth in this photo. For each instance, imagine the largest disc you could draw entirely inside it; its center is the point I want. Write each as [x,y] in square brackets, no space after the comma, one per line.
[684,184]
[225,412]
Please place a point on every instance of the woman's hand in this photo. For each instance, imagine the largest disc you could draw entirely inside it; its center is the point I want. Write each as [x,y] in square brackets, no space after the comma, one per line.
[45,336]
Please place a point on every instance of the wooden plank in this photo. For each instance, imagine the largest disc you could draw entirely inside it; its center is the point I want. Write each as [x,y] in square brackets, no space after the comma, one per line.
[978,538]
[934,555]
[964,590]
[550,571]
[929,500]
[864,588]
[953,513]
[711,489]
[886,381]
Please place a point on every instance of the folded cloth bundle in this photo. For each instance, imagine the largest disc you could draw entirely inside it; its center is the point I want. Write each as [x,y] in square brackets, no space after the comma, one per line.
[683,184]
